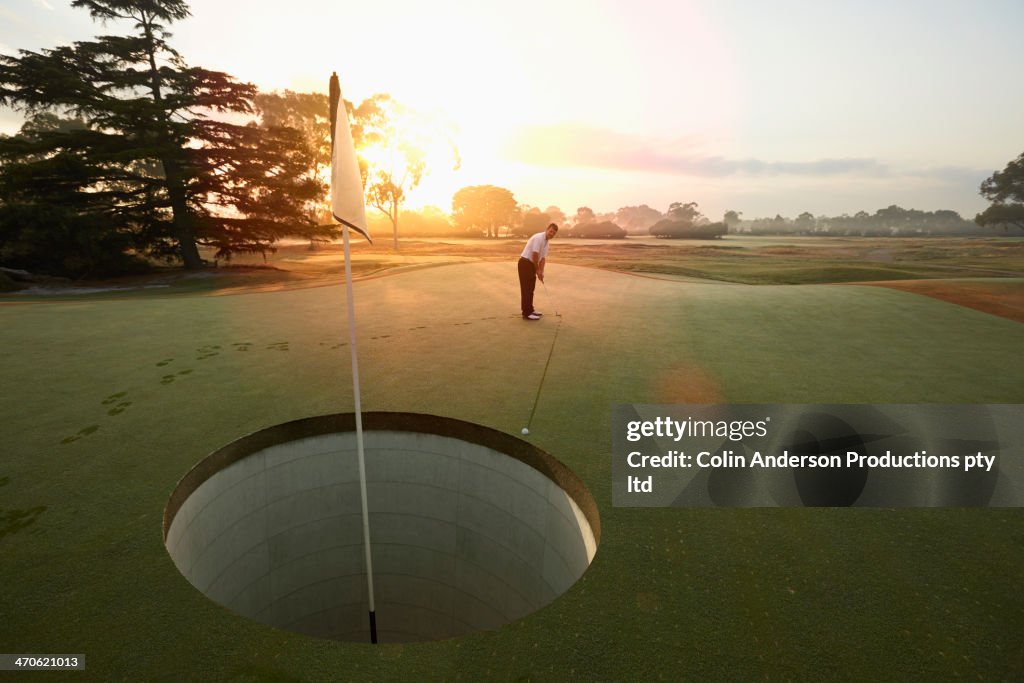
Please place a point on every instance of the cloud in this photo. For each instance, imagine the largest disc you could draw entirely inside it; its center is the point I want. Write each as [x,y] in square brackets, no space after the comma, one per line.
[955,175]
[579,146]
[718,166]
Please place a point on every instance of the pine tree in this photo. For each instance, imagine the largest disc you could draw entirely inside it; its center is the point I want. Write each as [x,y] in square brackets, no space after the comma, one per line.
[150,167]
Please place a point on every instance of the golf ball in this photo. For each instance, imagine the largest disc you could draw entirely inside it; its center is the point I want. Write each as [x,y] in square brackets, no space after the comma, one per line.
[525,430]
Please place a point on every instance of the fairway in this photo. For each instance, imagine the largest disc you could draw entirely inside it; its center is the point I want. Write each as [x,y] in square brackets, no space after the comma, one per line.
[106,404]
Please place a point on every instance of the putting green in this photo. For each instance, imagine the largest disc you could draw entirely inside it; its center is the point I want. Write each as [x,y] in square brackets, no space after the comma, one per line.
[107,404]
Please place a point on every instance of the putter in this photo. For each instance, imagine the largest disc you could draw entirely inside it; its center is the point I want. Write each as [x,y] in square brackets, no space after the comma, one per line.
[548,295]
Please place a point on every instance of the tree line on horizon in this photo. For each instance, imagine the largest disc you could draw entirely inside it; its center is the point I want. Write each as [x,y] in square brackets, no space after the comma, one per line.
[129,155]
[474,215]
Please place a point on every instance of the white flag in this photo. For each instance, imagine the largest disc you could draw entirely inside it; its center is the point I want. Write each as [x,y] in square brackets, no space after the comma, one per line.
[346,184]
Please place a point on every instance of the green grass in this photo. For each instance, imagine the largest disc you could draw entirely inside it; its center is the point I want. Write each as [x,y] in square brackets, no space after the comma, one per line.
[107,403]
[737,258]
[777,272]
[757,260]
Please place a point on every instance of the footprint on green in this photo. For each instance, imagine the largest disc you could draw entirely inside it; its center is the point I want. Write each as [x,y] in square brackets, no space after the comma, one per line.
[184,372]
[167,379]
[164,362]
[86,431]
[113,397]
[119,408]
[13,521]
[278,346]
[207,351]
[242,346]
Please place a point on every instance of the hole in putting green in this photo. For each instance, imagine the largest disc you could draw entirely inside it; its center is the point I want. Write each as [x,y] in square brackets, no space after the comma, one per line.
[470,528]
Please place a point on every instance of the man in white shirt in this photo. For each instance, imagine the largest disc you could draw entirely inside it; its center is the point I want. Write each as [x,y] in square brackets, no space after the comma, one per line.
[531,268]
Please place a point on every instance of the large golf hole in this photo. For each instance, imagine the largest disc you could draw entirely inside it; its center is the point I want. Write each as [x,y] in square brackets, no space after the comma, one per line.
[470,528]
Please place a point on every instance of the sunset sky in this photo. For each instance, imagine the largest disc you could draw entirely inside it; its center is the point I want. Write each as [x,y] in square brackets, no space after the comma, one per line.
[764,108]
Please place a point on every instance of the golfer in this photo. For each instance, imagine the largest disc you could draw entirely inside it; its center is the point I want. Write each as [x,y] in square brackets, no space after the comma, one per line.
[531,268]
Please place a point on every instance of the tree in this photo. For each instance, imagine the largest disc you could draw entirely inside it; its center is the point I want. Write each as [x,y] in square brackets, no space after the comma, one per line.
[395,142]
[637,219]
[307,113]
[584,215]
[484,207]
[557,215]
[600,230]
[534,221]
[55,231]
[1005,189]
[682,229]
[688,212]
[150,163]
[804,222]
[686,221]
[732,219]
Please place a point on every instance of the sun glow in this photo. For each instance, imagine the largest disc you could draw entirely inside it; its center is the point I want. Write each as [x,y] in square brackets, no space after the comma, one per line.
[477,78]
[413,148]
[658,100]
[476,75]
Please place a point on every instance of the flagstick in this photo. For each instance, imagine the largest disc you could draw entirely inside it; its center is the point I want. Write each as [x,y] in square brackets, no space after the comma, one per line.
[359,435]
[344,217]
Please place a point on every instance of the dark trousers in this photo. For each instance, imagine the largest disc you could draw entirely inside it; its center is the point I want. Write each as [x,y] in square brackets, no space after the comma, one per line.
[527,283]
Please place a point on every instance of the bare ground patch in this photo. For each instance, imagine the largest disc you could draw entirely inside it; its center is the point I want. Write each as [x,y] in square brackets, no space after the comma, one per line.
[998,297]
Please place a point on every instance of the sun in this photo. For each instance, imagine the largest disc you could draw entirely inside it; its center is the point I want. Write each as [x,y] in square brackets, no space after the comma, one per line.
[420,151]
